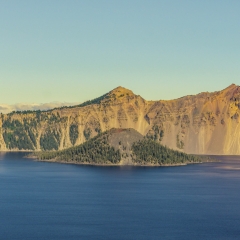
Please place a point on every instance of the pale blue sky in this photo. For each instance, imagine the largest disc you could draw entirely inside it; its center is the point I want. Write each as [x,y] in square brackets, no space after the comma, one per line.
[72,50]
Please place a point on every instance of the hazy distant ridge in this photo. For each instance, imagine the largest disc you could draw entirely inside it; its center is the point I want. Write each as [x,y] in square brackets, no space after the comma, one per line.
[7,108]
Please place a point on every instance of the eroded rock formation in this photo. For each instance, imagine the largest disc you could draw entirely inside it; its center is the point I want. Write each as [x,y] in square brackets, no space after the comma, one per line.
[206,123]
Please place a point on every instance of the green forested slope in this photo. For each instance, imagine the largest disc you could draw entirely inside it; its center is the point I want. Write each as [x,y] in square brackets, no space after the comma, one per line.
[103,149]
[148,151]
[95,151]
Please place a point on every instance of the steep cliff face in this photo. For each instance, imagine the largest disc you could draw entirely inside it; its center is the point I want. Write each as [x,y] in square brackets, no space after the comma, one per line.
[207,123]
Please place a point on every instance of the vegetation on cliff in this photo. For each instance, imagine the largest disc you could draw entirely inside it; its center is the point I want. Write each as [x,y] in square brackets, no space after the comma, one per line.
[20,131]
[156,133]
[50,140]
[73,133]
[17,135]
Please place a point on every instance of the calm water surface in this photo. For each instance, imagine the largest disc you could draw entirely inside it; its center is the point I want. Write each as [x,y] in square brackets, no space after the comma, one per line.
[41,200]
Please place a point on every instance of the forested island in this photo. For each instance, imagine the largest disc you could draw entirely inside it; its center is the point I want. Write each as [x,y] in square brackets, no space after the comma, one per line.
[120,147]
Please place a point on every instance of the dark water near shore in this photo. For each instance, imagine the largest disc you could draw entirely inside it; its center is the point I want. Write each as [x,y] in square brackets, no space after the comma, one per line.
[40,200]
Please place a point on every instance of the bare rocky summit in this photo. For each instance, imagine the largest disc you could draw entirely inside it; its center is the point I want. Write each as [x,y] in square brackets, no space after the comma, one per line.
[206,123]
[122,140]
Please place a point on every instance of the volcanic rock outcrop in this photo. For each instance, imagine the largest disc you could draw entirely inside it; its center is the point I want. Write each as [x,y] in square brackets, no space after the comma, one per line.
[206,123]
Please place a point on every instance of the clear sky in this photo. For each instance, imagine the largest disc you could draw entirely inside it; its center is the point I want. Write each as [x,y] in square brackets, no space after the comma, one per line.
[73,50]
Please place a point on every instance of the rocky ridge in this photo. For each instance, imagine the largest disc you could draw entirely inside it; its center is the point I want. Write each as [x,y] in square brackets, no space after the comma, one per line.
[206,123]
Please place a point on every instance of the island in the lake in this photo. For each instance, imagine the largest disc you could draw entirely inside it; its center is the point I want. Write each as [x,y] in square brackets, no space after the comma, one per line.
[120,147]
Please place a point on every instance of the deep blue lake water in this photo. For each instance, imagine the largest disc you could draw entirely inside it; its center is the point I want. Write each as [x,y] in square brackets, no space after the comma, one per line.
[40,200]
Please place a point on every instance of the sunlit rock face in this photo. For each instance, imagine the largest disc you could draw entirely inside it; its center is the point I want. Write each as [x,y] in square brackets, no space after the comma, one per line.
[206,123]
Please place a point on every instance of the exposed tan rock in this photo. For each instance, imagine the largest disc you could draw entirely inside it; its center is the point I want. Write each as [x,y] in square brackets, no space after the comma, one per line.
[206,123]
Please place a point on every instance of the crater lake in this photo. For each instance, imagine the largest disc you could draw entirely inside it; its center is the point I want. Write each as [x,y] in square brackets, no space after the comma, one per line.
[42,200]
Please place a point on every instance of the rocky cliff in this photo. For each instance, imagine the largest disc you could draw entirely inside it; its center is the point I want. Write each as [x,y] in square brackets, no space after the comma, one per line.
[206,123]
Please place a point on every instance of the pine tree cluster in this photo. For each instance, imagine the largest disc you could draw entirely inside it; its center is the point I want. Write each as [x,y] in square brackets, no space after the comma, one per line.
[148,151]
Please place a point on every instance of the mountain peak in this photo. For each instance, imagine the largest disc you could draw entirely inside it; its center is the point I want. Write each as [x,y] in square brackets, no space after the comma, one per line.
[230,87]
[120,91]
[231,90]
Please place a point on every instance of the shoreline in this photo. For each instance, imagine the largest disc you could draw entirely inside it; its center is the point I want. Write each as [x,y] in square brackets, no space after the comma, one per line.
[195,154]
[30,155]
[117,165]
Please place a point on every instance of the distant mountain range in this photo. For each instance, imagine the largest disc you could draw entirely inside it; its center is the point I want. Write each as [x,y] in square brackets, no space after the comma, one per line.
[7,108]
[206,123]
